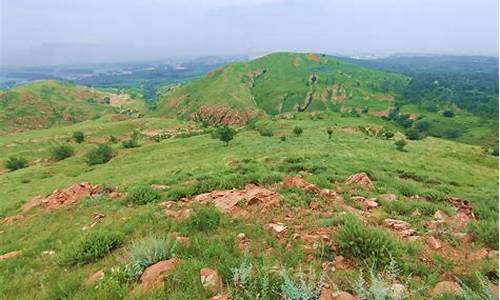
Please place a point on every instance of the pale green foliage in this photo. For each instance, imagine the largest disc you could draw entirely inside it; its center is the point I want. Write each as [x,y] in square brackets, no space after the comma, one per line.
[302,287]
[149,252]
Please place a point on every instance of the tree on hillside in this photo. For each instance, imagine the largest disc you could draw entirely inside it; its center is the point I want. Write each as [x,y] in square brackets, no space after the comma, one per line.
[225,134]
[78,137]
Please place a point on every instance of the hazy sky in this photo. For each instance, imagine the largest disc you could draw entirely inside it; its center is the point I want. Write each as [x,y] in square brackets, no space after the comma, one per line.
[71,31]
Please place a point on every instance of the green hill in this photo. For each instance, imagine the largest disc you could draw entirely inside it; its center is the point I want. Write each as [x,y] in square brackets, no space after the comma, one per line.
[283,82]
[43,104]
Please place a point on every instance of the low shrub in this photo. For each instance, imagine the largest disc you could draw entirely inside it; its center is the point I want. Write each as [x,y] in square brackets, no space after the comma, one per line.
[329,131]
[298,131]
[62,152]
[78,137]
[142,194]
[296,197]
[251,283]
[15,163]
[400,145]
[302,287]
[99,155]
[224,133]
[91,247]
[283,138]
[265,131]
[149,252]
[132,143]
[485,232]
[207,218]
[370,245]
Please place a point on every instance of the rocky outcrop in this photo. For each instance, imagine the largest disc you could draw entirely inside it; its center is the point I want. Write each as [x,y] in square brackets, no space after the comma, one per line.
[222,115]
[153,275]
[361,179]
[211,280]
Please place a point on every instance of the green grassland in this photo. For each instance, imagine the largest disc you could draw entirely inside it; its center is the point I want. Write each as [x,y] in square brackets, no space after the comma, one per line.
[438,168]
[43,104]
[284,82]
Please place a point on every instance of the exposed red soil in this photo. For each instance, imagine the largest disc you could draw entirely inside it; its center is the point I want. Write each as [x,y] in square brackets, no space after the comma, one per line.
[222,115]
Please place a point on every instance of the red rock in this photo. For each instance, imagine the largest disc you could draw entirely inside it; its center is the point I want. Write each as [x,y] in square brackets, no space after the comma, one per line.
[343,296]
[494,289]
[402,228]
[153,275]
[441,216]
[361,179]
[326,294]
[210,280]
[340,263]
[301,183]
[433,242]
[220,297]
[277,227]
[446,287]
[10,255]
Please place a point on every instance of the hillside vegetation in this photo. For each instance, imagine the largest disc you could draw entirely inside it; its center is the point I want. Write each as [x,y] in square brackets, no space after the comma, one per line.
[43,104]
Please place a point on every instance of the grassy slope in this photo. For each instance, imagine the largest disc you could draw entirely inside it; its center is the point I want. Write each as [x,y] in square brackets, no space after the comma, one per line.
[43,104]
[284,86]
[450,168]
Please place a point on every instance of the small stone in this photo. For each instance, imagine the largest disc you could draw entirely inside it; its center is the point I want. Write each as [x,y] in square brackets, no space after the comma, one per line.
[440,215]
[10,255]
[433,242]
[278,227]
[343,296]
[48,253]
[241,236]
[387,197]
[210,280]
[326,294]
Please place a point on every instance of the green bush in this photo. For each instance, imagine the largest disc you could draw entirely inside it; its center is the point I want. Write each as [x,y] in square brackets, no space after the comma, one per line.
[62,152]
[142,194]
[374,246]
[298,131]
[132,143]
[329,131]
[412,134]
[302,287]
[400,145]
[448,114]
[16,163]
[91,247]
[485,232]
[224,133]
[78,137]
[99,155]
[207,218]
[283,138]
[149,252]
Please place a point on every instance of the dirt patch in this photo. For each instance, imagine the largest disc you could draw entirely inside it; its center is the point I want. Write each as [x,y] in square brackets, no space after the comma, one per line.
[118,100]
[379,113]
[313,57]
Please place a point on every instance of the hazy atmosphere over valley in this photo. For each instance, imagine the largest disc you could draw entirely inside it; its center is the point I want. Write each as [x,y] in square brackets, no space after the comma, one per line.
[249,149]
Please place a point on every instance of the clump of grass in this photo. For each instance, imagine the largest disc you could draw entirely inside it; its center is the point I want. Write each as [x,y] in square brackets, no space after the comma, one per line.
[99,155]
[251,283]
[485,232]
[133,142]
[297,130]
[207,218]
[296,197]
[265,131]
[379,285]
[142,194]
[373,246]
[91,247]
[149,252]
[15,163]
[62,152]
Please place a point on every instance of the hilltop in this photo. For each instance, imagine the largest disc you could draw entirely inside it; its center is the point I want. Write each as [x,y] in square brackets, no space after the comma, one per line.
[43,104]
[280,83]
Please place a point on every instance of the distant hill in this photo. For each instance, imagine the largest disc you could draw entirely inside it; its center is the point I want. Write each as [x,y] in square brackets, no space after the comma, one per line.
[43,104]
[280,83]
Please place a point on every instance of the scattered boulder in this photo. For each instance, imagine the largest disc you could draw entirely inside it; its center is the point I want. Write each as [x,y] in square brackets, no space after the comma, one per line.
[343,296]
[153,275]
[229,201]
[361,179]
[433,242]
[402,228]
[326,294]
[446,287]
[64,197]
[277,227]
[210,280]
[300,183]
[10,255]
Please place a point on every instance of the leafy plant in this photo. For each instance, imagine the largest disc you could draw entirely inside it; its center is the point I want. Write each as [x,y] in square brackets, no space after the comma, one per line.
[149,252]
[91,247]
[302,287]
[15,163]
[225,134]
[78,137]
[142,194]
[379,285]
[297,131]
[62,152]
[99,155]
[133,142]
[251,283]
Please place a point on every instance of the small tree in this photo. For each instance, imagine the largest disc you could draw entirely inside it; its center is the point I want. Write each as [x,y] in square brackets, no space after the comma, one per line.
[62,152]
[448,114]
[225,134]
[78,137]
[400,145]
[100,155]
[16,163]
[297,131]
[329,131]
